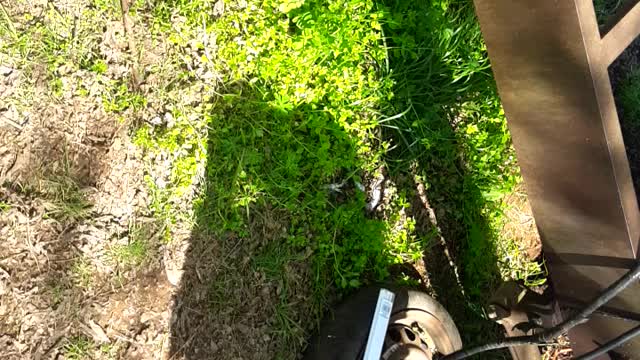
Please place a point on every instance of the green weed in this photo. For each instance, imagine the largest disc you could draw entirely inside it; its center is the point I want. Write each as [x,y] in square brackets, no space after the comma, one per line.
[131,255]
[630,98]
[138,249]
[99,67]
[57,294]
[67,200]
[60,187]
[69,203]
[109,351]
[53,44]
[77,348]
[81,273]
[605,9]
[119,98]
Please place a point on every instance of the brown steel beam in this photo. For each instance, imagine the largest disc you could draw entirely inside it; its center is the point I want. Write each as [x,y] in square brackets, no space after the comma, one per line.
[551,67]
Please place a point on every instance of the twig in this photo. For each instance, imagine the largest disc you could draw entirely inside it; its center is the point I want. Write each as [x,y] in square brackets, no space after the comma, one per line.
[30,245]
[547,336]
[11,122]
[13,255]
[6,16]
[135,78]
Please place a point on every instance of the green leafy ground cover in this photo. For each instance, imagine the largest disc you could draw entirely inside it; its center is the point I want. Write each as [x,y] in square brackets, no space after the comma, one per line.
[316,95]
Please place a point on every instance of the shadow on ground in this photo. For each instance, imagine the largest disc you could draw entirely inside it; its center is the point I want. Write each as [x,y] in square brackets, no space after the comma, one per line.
[257,275]
[450,155]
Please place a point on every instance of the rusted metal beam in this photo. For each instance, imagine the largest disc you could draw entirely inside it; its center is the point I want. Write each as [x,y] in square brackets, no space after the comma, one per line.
[551,67]
[620,36]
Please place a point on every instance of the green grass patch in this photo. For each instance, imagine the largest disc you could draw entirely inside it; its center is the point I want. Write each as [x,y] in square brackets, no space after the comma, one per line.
[318,97]
[63,190]
[81,273]
[77,348]
[629,97]
[54,39]
[138,248]
[118,97]
[68,202]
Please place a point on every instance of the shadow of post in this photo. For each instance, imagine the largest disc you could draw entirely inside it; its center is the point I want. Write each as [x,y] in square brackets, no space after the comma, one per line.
[449,153]
[260,270]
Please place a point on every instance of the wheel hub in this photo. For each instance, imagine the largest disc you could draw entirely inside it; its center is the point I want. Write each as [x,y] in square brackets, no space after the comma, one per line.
[415,335]
[406,343]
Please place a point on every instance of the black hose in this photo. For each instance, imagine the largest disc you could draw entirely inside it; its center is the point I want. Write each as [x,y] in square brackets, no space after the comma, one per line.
[611,344]
[549,335]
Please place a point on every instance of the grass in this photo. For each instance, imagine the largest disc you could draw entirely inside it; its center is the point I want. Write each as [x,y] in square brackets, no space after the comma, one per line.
[319,95]
[138,248]
[605,9]
[68,203]
[62,189]
[284,112]
[77,348]
[82,273]
[629,97]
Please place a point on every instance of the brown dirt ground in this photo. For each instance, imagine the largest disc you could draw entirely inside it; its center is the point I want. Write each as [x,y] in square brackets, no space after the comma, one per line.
[60,282]
[41,300]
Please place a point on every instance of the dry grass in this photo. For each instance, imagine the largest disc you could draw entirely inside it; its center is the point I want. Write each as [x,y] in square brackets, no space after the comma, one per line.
[72,193]
[520,224]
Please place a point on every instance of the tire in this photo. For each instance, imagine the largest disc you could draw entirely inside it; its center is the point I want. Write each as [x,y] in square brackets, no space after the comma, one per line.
[343,333]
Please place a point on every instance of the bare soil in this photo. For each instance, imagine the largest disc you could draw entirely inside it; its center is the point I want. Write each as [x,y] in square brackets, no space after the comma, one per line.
[61,285]
[44,300]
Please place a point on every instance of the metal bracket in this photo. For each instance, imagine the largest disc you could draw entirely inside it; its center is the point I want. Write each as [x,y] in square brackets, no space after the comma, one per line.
[520,311]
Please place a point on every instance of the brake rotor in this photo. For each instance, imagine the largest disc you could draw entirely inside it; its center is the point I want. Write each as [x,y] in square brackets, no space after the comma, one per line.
[415,335]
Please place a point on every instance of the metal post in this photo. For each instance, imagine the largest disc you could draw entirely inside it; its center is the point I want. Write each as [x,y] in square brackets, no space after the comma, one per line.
[551,67]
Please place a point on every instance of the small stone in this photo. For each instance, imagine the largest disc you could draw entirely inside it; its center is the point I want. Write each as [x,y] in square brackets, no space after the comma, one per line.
[144,318]
[168,118]
[98,333]
[218,8]
[160,183]
[174,275]
[156,121]
[64,70]
[244,329]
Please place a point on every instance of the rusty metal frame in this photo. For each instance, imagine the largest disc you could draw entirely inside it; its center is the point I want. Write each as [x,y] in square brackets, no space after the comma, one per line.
[551,62]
